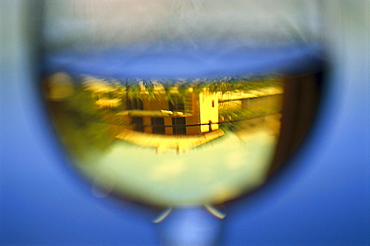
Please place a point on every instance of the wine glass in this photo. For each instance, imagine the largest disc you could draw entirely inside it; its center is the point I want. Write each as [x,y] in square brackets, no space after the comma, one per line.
[180,105]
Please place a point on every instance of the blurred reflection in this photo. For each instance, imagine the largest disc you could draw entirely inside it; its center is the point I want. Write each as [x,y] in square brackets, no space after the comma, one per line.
[115,131]
[166,115]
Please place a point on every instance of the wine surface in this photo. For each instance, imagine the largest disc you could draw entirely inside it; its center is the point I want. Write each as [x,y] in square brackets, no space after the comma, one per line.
[174,128]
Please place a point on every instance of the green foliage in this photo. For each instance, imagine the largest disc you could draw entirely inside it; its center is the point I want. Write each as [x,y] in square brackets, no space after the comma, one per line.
[232,117]
[81,106]
[149,87]
[133,91]
[79,124]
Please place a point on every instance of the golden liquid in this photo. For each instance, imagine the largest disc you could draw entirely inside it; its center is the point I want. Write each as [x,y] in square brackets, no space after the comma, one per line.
[185,141]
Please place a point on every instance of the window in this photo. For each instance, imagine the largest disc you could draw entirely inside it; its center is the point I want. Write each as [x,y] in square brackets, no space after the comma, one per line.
[158,125]
[177,104]
[135,103]
[179,126]
[137,123]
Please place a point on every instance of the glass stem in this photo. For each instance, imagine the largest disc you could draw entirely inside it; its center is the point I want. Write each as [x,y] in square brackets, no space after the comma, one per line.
[190,226]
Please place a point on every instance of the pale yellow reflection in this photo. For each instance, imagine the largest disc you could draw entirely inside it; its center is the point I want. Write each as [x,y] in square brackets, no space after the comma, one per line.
[224,193]
[169,169]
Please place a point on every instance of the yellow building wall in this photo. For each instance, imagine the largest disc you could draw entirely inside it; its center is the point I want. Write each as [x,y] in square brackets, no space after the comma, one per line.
[194,118]
[208,107]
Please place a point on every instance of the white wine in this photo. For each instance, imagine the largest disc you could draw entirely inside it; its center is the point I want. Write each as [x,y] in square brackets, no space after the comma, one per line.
[176,127]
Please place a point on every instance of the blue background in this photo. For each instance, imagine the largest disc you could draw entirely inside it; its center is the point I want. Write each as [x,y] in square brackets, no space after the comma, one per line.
[322,198]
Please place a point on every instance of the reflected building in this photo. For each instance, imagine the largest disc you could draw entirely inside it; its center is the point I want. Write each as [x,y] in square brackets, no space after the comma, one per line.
[191,114]
[172,117]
